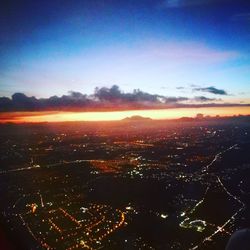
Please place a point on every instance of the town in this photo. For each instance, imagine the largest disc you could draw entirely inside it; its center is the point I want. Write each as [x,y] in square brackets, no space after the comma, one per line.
[132,184]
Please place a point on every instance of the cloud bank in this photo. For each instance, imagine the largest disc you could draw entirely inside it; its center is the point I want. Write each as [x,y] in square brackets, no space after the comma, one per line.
[106,99]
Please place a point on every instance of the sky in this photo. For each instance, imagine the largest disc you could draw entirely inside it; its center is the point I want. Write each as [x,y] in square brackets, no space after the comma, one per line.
[157,53]
[134,115]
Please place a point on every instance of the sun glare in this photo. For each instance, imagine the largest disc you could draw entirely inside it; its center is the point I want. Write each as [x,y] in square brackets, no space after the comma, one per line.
[61,116]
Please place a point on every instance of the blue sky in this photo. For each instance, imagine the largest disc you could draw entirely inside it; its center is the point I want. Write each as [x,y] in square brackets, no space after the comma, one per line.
[161,47]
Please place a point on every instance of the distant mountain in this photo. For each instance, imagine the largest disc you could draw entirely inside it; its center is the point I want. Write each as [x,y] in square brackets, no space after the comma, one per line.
[136,118]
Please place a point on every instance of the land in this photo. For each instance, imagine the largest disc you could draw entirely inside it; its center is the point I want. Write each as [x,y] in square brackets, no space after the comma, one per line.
[132,184]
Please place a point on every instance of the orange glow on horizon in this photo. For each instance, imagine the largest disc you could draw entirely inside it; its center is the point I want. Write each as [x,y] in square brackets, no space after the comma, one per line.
[160,114]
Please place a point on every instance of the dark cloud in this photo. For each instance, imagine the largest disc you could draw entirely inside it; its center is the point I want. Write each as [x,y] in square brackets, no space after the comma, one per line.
[107,99]
[115,95]
[175,99]
[205,99]
[211,90]
[21,102]
[103,99]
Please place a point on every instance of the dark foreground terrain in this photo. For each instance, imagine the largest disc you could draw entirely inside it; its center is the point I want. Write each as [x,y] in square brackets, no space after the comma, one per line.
[134,184]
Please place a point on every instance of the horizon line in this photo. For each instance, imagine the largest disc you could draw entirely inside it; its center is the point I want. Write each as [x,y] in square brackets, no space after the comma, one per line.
[154,114]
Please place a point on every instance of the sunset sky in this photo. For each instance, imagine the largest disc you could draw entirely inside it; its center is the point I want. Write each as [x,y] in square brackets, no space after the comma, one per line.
[141,55]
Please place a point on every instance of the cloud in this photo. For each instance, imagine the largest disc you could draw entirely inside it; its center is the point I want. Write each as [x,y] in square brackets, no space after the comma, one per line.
[211,90]
[194,86]
[21,102]
[175,99]
[205,99]
[104,99]
[114,94]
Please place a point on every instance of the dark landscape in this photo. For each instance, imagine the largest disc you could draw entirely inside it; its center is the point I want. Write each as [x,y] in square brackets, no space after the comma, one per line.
[130,184]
